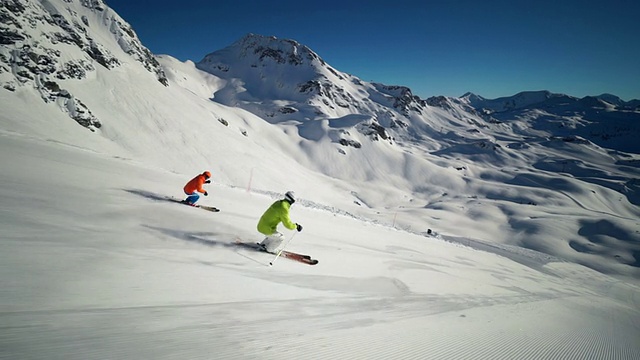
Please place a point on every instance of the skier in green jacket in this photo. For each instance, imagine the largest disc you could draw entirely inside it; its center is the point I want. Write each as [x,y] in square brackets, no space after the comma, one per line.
[276,213]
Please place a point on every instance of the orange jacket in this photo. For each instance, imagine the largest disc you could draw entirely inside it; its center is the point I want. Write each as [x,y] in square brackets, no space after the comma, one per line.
[195,184]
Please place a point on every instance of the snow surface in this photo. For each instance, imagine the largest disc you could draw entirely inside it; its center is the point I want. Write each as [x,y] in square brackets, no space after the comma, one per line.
[95,264]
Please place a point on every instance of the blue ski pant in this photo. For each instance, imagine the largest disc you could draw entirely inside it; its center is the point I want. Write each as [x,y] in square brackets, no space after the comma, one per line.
[192,198]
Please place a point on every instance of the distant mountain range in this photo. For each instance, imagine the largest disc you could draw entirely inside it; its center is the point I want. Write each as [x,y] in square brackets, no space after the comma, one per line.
[546,99]
[280,80]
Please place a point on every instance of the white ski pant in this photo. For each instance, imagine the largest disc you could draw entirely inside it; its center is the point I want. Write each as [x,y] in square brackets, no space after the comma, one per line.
[273,241]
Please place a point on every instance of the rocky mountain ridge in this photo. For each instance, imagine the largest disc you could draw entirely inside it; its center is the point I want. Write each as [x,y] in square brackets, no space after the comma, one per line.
[45,43]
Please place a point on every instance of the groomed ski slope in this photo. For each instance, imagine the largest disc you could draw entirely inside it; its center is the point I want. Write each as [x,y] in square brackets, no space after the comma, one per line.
[93,266]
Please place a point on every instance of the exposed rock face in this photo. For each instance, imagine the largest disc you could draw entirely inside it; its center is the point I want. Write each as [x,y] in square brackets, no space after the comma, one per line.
[45,43]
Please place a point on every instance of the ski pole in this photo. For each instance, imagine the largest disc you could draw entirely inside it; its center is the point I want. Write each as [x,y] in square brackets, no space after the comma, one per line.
[280,252]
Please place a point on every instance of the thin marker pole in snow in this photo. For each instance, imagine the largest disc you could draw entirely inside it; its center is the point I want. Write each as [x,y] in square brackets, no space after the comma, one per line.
[280,252]
[250,178]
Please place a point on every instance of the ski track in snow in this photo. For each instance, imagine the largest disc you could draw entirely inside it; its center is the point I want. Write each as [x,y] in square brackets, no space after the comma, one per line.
[320,329]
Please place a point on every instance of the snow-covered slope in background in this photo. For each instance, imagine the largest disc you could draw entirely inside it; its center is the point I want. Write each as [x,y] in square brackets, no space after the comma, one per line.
[551,173]
[508,162]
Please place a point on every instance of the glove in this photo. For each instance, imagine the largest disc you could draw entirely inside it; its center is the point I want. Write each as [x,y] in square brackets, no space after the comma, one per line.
[206,193]
[208,182]
[298,227]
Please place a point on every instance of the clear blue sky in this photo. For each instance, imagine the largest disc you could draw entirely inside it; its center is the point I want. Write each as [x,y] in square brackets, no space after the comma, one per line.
[491,48]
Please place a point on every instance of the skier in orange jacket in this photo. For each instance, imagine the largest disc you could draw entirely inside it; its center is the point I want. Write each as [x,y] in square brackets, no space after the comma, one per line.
[194,186]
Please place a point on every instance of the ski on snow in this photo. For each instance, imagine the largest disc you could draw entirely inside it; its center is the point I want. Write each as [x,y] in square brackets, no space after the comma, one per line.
[203,207]
[305,259]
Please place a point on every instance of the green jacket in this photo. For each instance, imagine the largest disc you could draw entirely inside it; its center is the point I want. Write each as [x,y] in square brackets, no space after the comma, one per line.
[276,213]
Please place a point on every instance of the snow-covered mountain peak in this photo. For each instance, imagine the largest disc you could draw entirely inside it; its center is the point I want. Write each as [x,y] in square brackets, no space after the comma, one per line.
[265,54]
[517,101]
[471,98]
[284,81]
[281,51]
[611,99]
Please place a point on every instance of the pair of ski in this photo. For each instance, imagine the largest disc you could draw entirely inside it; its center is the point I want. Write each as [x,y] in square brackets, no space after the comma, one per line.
[305,259]
[203,207]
